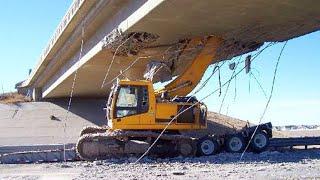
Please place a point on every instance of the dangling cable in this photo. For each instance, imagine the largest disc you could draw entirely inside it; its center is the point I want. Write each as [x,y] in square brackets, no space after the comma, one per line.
[225,94]
[220,91]
[259,84]
[72,91]
[268,102]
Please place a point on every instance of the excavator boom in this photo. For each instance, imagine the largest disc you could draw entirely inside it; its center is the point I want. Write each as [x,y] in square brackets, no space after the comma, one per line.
[188,80]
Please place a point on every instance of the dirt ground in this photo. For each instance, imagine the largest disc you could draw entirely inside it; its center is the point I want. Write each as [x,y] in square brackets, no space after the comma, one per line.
[13,98]
[303,164]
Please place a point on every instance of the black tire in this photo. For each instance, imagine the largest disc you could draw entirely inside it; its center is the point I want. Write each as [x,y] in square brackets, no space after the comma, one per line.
[259,142]
[187,148]
[235,143]
[207,146]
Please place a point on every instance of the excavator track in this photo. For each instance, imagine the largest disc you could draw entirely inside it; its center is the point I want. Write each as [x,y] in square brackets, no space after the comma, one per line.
[93,130]
[122,143]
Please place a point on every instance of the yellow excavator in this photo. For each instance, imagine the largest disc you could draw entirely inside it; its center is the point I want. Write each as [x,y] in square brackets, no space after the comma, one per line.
[137,114]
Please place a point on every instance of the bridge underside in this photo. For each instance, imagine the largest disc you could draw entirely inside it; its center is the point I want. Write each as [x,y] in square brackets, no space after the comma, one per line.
[242,24]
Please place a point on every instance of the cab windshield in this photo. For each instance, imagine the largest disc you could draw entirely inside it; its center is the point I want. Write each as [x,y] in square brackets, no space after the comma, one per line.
[130,100]
[127,101]
[128,97]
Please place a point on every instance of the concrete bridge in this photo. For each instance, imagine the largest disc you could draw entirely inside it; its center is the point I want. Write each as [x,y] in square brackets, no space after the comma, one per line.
[94,33]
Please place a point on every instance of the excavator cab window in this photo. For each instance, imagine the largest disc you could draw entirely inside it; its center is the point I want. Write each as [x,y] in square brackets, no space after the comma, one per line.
[131,100]
[144,99]
[127,101]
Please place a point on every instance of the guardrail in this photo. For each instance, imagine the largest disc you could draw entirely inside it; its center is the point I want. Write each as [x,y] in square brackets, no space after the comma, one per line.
[75,6]
[37,153]
[61,27]
[41,147]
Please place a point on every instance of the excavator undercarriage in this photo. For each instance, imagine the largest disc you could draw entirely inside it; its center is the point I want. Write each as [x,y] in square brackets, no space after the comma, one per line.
[122,143]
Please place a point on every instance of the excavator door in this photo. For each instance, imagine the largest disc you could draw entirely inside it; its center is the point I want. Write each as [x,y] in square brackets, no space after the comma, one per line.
[130,106]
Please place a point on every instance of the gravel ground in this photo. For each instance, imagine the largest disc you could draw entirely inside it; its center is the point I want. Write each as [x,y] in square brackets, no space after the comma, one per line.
[302,164]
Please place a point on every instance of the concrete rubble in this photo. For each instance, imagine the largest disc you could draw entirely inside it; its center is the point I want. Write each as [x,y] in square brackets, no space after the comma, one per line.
[267,165]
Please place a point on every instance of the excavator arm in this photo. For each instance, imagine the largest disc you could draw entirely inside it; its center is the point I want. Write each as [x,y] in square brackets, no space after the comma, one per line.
[189,79]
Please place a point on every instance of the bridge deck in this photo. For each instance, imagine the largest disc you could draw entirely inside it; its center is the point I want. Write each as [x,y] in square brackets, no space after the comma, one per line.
[171,20]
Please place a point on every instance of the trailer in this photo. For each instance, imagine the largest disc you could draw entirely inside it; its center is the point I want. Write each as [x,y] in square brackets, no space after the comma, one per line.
[257,138]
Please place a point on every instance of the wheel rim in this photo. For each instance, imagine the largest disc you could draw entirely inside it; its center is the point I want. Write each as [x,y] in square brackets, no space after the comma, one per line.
[207,147]
[260,140]
[235,144]
[186,149]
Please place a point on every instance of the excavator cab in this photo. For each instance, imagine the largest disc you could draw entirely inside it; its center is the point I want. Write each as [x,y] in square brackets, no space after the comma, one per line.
[129,104]
[133,105]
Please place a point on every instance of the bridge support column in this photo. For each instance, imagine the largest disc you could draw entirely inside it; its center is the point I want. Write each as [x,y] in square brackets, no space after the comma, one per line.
[37,94]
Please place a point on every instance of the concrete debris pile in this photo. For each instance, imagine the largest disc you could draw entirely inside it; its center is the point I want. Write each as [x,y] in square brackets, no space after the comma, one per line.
[145,44]
[232,48]
[267,165]
[128,44]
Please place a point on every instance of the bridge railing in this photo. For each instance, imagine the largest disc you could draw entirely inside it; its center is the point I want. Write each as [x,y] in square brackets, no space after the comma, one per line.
[73,9]
[76,4]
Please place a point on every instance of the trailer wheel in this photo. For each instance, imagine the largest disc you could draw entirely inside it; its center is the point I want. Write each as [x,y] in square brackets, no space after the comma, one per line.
[235,143]
[260,141]
[207,146]
[187,148]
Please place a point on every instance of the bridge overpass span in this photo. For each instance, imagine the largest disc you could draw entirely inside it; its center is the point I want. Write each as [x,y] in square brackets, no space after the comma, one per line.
[93,33]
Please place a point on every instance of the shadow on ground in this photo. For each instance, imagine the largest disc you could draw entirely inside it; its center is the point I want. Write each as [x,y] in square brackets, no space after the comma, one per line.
[89,109]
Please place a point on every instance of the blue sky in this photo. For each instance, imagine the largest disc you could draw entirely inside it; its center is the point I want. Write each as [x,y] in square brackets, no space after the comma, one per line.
[27,26]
